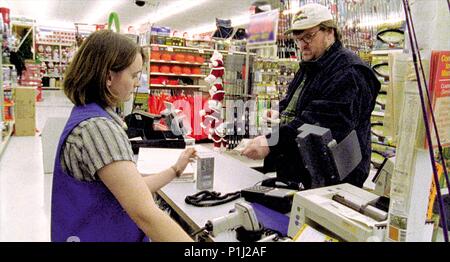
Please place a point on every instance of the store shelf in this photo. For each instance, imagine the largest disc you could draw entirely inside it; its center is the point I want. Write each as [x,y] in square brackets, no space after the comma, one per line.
[22,24]
[51,88]
[176,62]
[383,144]
[238,95]
[198,49]
[6,138]
[385,52]
[176,86]
[49,43]
[8,65]
[376,113]
[55,76]
[166,74]
[177,47]
[54,61]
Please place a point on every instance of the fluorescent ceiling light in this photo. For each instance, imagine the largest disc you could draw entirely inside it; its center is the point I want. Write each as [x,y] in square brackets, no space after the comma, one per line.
[201,29]
[43,10]
[100,11]
[168,11]
[57,24]
[38,10]
[240,20]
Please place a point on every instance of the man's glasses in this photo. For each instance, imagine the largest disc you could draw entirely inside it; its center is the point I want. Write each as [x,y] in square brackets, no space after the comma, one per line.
[307,38]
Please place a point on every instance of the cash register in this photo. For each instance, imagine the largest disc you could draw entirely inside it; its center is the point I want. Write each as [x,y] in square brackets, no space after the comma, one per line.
[344,212]
[142,132]
[327,162]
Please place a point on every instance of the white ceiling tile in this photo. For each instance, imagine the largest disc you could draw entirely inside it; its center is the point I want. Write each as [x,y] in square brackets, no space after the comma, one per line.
[77,10]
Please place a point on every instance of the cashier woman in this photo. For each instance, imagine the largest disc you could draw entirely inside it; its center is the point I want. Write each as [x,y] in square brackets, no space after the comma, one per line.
[98,193]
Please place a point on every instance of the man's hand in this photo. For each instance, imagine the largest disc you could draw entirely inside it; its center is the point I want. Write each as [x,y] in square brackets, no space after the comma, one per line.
[257,148]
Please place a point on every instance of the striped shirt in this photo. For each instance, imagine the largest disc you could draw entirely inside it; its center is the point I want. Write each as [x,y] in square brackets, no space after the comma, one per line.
[93,144]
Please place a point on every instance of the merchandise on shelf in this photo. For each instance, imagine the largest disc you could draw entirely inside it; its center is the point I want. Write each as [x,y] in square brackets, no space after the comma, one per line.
[273,76]
[32,77]
[381,143]
[286,45]
[159,35]
[54,49]
[446,155]
[8,109]
[234,78]
[141,102]
[180,68]
[9,82]
[364,30]
[287,70]
[238,45]
[271,79]
[54,61]
[390,36]
[212,115]
[164,36]
[55,37]
[380,65]
[154,103]
[206,44]
[265,76]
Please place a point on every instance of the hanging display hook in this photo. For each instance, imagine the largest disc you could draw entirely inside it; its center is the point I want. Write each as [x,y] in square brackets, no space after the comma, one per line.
[114,19]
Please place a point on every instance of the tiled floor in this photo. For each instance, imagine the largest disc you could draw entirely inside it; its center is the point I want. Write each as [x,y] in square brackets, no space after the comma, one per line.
[24,188]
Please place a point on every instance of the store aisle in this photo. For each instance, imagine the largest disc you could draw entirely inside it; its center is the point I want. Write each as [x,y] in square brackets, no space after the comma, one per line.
[24,188]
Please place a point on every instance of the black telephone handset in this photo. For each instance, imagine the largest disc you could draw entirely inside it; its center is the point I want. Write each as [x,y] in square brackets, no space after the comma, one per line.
[273,193]
[282,183]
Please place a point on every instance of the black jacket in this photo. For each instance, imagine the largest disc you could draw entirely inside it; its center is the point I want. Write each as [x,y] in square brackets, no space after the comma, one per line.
[339,94]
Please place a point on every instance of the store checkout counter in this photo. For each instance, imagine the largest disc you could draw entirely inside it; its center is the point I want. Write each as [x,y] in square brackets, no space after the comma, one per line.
[231,175]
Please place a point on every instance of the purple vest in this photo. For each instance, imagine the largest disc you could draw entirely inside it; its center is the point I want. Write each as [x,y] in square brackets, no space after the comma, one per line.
[87,211]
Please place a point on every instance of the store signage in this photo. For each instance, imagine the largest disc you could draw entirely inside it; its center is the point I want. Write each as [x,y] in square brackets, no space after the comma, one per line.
[440,92]
[99,27]
[114,20]
[263,27]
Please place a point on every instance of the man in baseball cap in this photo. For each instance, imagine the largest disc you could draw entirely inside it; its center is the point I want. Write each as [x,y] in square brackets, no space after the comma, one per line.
[333,88]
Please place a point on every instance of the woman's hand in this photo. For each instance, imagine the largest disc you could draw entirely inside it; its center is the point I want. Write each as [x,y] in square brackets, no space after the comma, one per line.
[187,156]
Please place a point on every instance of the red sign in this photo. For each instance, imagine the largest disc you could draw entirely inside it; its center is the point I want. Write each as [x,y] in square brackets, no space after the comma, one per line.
[440,93]
[100,27]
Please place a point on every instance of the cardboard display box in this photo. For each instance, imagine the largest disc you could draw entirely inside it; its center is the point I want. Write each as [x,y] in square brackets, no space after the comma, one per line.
[25,111]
